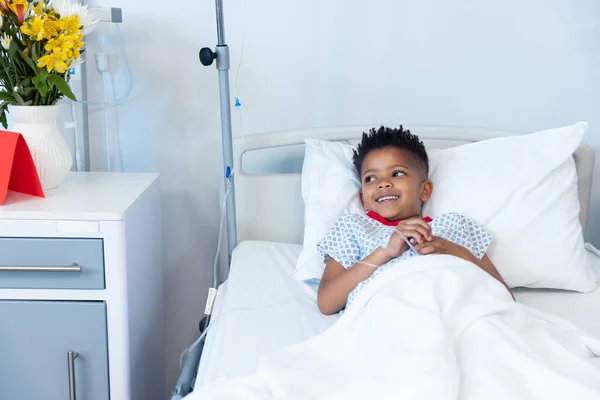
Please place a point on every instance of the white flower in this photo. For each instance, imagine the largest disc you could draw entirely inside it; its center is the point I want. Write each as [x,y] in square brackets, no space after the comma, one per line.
[65,8]
[76,63]
[16,89]
[1,21]
[5,41]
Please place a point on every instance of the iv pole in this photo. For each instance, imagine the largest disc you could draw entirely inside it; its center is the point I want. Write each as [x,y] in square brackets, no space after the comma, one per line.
[221,54]
[207,56]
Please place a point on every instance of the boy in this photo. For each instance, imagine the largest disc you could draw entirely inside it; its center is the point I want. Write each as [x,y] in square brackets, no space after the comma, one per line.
[393,168]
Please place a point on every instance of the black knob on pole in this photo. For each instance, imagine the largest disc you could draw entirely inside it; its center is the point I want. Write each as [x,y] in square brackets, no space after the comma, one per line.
[207,56]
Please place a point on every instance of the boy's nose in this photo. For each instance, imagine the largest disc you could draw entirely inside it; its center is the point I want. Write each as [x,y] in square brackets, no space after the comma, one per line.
[384,185]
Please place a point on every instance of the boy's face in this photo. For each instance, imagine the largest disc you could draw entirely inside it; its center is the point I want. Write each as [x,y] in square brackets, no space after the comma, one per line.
[393,184]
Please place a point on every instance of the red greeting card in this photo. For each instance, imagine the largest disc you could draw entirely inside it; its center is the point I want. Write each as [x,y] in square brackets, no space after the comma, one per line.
[17,170]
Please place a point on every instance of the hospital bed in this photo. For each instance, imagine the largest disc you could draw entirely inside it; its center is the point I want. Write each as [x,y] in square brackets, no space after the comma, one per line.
[262,307]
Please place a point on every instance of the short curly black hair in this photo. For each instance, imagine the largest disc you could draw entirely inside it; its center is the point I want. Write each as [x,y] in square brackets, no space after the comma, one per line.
[399,138]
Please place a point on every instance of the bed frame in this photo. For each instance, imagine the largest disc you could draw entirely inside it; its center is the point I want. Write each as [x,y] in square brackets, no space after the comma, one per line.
[269,203]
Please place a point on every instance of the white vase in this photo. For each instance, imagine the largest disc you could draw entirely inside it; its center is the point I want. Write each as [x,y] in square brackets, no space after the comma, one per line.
[48,147]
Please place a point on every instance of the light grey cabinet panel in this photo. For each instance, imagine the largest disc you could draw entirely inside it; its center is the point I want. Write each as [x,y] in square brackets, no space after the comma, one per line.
[47,263]
[35,338]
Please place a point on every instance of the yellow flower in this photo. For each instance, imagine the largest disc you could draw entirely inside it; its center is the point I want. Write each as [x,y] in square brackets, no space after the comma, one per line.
[78,44]
[18,7]
[52,14]
[54,61]
[71,24]
[59,42]
[51,28]
[70,44]
[34,29]
[38,9]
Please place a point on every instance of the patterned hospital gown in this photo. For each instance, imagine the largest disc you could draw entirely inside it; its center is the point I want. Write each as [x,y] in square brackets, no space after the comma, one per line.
[354,236]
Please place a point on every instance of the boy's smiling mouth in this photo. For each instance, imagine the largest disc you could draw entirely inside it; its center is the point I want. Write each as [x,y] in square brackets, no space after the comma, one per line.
[388,198]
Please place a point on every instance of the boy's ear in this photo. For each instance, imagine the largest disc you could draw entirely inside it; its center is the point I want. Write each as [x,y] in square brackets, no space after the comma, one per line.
[426,190]
[362,203]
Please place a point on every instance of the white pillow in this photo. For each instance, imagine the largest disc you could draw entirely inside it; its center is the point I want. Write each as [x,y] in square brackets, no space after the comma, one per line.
[330,189]
[523,189]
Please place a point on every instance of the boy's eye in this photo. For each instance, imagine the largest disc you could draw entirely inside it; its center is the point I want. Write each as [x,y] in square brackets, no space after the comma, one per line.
[370,178]
[398,173]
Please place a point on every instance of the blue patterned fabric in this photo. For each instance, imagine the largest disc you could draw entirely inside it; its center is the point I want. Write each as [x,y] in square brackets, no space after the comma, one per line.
[353,237]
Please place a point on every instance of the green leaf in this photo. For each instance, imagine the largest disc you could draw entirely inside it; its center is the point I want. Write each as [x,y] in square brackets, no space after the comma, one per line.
[26,82]
[8,75]
[20,100]
[28,60]
[6,97]
[40,81]
[13,48]
[34,52]
[28,90]
[3,120]
[62,85]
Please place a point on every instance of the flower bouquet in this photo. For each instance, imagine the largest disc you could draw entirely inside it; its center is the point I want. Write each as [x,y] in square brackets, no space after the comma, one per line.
[40,41]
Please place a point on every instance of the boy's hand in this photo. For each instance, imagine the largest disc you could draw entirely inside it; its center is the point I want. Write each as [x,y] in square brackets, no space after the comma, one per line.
[415,229]
[442,246]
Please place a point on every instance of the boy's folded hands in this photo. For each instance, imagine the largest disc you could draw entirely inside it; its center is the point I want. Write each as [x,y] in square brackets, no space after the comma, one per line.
[415,229]
[439,245]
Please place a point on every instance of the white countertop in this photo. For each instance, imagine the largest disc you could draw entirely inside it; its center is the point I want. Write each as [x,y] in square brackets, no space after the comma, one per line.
[83,196]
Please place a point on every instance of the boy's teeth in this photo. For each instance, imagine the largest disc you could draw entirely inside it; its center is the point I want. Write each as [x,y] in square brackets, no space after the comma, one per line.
[387,198]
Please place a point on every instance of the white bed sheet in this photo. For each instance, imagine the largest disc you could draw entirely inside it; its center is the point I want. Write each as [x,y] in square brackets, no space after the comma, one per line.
[264,308]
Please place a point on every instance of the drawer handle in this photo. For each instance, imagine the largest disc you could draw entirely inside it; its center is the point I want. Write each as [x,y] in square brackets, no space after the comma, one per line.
[39,268]
[71,356]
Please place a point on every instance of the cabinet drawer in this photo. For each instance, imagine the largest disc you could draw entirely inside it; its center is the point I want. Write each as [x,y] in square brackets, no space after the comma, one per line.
[35,341]
[51,263]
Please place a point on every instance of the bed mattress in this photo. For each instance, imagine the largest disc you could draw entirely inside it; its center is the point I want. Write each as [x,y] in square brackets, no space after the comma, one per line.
[262,308]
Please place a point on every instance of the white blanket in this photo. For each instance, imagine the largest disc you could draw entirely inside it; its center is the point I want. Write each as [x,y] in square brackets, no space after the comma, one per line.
[430,328]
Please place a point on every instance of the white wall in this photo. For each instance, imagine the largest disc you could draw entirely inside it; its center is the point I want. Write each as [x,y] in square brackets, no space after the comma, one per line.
[516,64]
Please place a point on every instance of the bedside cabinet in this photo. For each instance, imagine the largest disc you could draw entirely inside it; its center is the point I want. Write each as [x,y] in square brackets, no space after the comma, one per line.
[81,291]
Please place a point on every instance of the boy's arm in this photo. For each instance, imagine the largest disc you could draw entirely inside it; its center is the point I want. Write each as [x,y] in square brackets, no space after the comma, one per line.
[337,282]
[442,246]
[486,264]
